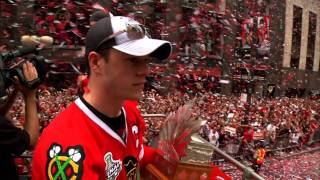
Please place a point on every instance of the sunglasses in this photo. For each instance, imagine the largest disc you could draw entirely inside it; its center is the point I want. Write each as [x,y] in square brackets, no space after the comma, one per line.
[134,32]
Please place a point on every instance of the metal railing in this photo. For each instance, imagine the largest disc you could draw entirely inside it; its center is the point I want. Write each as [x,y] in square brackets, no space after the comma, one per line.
[248,172]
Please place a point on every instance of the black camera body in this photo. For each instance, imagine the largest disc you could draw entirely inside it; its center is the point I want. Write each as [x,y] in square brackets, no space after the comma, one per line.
[7,74]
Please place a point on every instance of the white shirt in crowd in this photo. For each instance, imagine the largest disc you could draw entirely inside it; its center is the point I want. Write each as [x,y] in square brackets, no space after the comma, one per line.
[214,137]
[295,138]
[271,130]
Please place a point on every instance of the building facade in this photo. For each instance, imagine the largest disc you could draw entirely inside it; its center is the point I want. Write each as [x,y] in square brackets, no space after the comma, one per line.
[301,54]
[294,52]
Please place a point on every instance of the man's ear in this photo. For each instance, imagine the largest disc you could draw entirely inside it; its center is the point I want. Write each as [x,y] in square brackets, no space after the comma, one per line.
[94,61]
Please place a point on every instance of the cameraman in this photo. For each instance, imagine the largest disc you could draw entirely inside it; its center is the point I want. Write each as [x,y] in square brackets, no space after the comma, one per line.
[13,140]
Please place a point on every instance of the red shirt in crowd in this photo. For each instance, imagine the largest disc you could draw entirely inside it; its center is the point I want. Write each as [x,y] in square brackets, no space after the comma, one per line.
[248,136]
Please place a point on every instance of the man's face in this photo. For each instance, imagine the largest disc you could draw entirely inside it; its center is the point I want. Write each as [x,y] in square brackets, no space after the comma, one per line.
[123,75]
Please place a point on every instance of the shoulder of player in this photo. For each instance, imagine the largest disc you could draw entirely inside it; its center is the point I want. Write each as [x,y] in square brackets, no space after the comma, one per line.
[62,131]
[70,111]
[62,123]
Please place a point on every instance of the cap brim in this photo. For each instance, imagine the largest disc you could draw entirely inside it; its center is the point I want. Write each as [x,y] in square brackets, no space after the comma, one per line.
[156,48]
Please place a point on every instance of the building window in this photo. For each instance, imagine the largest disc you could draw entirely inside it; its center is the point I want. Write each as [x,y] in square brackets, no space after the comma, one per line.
[311,40]
[296,36]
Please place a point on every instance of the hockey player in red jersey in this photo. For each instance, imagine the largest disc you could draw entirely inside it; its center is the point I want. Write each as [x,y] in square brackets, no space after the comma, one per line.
[100,135]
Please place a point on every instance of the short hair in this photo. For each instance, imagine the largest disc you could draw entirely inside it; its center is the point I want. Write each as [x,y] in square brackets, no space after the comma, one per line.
[96,16]
[103,51]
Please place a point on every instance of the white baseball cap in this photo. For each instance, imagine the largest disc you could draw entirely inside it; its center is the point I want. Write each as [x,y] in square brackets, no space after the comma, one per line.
[126,35]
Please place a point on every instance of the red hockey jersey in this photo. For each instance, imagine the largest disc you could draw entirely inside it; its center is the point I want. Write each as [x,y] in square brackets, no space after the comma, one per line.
[79,145]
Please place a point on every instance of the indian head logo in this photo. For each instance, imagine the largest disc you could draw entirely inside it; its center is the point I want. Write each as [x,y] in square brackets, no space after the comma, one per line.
[113,167]
[65,165]
[131,165]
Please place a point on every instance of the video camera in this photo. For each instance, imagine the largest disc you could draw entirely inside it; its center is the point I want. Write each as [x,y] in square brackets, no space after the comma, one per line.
[7,73]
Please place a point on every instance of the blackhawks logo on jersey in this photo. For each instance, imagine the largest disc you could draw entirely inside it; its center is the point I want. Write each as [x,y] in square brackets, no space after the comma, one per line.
[65,165]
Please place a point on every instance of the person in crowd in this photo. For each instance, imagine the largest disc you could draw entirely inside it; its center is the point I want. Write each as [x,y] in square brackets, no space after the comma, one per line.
[247,138]
[205,130]
[96,16]
[214,136]
[13,140]
[259,156]
[271,132]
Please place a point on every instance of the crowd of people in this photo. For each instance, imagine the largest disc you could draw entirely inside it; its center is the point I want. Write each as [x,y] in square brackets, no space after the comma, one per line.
[294,118]
[273,126]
